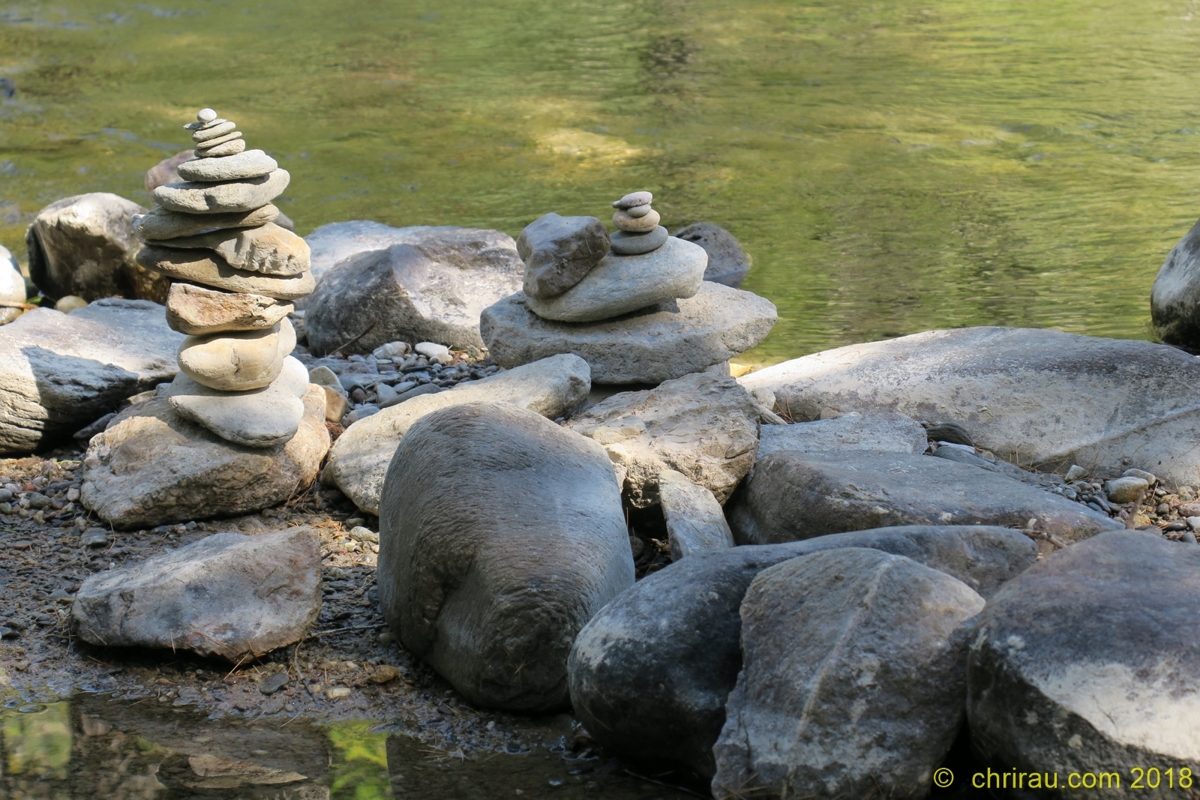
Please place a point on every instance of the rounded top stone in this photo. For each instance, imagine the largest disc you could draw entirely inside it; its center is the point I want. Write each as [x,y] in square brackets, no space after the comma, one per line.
[633,200]
[206,115]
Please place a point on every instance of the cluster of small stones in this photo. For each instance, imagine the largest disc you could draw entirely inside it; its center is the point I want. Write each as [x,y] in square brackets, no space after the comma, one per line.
[234,274]
[358,386]
[638,230]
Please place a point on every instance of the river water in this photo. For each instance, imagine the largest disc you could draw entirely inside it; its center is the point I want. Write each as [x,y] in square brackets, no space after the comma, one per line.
[890,167]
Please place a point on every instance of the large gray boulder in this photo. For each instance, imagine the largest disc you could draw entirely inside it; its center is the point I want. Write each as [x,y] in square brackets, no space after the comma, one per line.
[12,287]
[1175,295]
[1089,662]
[886,432]
[701,425]
[727,261]
[501,535]
[60,372]
[227,595]
[793,495]
[359,460]
[1038,398]
[649,346]
[853,681]
[85,246]
[151,467]
[651,672]
[404,293]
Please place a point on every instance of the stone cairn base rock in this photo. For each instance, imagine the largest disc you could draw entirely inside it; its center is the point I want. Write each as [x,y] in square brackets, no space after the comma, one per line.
[235,272]
[620,302]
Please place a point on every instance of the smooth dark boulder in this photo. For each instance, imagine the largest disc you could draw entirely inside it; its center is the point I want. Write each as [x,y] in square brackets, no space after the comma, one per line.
[727,261]
[651,672]
[853,679]
[1090,662]
[501,535]
[1175,295]
[793,495]
[559,252]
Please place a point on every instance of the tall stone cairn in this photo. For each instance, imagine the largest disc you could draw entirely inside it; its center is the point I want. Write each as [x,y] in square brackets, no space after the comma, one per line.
[234,273]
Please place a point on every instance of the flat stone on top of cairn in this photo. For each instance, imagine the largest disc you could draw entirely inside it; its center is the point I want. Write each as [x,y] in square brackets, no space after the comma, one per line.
[638,230]
[214,231]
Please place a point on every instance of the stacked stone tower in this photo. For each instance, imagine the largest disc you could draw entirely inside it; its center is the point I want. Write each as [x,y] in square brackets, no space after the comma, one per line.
[234,273]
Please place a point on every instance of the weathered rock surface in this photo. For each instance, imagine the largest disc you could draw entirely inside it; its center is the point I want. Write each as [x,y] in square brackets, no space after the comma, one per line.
[85,245]
[247,164]
[259,418]
[222,198]
[853,679]
[198,310]
[620,284]
[227,595]
[412,293]
[359,461]
[695,521]
[460,588]
[559,252]
[703,426]
[886,432]
[727,261]
[793,496]
[651,672]
[269,249]
[159,223]
[201,266]
[61,371]
[1089,662]
[1039,398]
[12,286]
[651,346]
[152,467]
[1175,296]
[237,361]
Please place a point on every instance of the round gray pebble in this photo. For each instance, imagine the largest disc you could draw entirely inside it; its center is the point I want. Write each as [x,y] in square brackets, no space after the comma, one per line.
[636,244]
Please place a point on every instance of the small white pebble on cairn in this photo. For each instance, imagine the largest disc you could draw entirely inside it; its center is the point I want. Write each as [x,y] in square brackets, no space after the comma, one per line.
[235,272]
[638,230]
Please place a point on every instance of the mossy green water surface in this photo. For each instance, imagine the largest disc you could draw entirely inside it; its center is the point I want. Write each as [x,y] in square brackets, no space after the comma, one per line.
[891,167]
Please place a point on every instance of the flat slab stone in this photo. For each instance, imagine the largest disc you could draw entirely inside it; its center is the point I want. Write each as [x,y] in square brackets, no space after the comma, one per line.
[200,266]
[886,432]
[247,164]
[793,495]
[261,418]
[159,223]
[198,310]
[620,284]
[695,521]
[268,249]
[59,372]
[651,346]
[227,595]
[358,463]
[1038,398]
[222,198]
[1093,657]
[152,467]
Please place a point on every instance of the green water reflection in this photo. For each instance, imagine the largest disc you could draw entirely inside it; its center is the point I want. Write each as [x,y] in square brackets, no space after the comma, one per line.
[891,167]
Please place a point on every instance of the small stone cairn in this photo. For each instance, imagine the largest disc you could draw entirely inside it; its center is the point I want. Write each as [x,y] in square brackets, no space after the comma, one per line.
[234,273]
[634,305]
[638,230]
